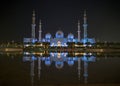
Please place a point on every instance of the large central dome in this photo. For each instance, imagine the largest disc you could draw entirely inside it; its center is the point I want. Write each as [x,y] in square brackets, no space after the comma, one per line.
[59,34]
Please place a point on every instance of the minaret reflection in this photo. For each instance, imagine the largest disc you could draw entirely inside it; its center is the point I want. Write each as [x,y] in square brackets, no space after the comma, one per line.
[39,67]
[30,58]
[32,70]
[79,67]
[85,69]
[87,57]
[59,59]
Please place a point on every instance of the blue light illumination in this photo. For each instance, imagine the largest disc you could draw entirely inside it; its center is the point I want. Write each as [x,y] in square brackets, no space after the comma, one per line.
[43,40]
[88,40]
[33,58]
[75,58]
[84,58]
[70,37]
[26,58]
[59,64]
[92,58]
[71,62]
[34,40]
[47,61]
[60,40]
[59,34]
[48,36]
[43,58]
[60,58]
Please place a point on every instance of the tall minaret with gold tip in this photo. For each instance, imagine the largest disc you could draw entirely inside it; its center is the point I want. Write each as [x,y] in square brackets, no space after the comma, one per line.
[40,31]
[85,25]
[33,25]
[78,31]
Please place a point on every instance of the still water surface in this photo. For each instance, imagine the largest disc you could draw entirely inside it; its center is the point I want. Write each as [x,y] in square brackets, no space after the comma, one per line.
[58,69]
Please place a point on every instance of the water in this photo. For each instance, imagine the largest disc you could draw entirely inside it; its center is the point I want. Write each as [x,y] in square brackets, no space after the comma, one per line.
[58,69]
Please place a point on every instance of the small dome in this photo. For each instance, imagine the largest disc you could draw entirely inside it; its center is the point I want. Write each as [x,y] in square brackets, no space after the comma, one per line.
[70,35]
[48,35]
[59,64]
[47,61]
[59,34]
[70,63]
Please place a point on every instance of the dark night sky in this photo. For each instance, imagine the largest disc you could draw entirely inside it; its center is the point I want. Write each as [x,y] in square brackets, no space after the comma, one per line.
[103,18]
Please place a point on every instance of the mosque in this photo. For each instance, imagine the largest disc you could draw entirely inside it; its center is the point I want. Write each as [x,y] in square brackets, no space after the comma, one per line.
[59,39]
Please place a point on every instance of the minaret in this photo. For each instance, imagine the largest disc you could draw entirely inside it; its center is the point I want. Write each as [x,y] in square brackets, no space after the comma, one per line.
[40,31]
[78,31]
[33,25]
[85,25]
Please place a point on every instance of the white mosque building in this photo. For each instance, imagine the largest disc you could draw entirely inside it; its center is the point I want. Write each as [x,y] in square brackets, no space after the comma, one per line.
[59,39]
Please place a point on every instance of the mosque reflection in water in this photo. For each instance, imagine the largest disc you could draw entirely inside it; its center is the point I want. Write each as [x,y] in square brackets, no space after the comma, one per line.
[59,59]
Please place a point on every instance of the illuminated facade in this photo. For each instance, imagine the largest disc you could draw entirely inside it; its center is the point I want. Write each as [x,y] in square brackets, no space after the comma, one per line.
[59,39]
